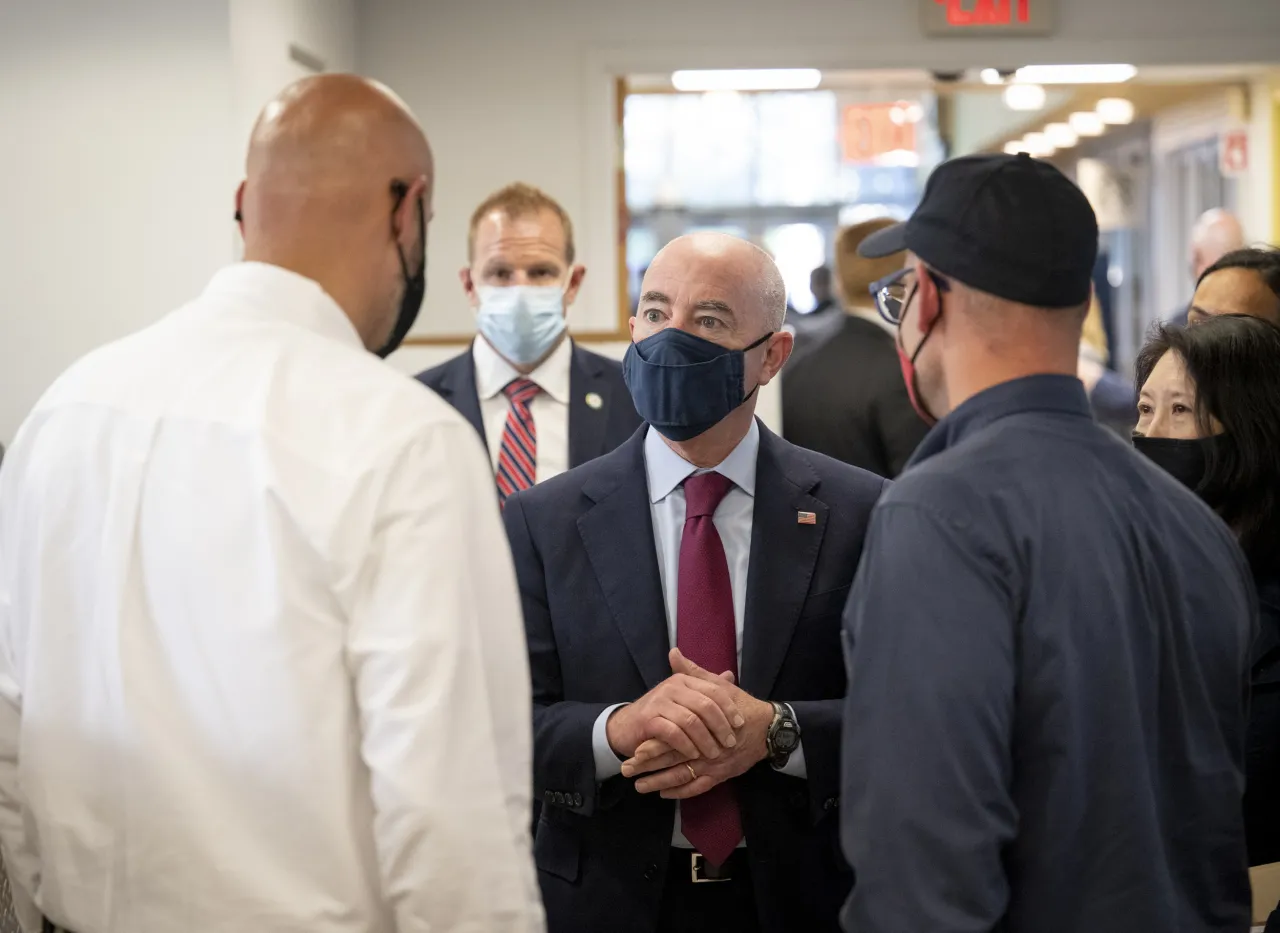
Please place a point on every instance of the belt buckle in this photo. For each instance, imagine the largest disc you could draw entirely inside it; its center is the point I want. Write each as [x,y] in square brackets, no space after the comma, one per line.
[702,873]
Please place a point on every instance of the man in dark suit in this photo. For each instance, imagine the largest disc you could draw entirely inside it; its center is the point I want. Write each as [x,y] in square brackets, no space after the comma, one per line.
[541,403]
[682,600]
[846,398]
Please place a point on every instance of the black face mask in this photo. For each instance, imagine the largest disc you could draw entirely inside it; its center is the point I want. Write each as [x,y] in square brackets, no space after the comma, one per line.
[415,285]
[1184,460]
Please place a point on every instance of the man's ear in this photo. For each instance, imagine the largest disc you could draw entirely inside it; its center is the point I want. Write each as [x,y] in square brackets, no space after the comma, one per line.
[777,352]
[928,299]
[576,275]
[469,286]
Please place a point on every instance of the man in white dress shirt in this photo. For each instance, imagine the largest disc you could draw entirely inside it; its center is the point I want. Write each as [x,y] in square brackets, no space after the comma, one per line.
[260,655]
[542,403]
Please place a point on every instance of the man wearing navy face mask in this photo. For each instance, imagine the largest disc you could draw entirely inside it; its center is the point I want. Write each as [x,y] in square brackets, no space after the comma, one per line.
[541,403]
[682,598]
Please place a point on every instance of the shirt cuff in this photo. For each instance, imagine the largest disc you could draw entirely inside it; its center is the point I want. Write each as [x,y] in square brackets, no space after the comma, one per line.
[608,764]
[795,766]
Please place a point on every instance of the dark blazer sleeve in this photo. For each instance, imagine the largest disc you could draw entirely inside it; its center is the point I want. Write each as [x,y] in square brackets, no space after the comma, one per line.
[820,732]
[564,770]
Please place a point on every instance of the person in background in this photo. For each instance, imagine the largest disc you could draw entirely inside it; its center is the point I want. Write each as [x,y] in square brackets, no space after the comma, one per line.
[1209,414]
[692,789]
[1216,233]
[1110,395]
[847,399]
[1246,281]
[1048,638]
[812,329]
[820,286]
[541,403]
[260,654]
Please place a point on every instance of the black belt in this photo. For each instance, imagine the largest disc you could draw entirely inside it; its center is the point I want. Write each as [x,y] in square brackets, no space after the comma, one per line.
[687,863]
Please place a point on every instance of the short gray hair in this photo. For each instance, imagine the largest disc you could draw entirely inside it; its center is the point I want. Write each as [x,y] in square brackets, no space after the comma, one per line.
[772,291]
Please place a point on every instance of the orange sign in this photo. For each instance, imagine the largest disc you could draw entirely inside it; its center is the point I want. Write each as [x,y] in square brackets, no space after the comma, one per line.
[868,131]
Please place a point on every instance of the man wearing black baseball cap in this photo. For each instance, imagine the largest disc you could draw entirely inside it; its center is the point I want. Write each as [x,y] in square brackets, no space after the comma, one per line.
[1048,640]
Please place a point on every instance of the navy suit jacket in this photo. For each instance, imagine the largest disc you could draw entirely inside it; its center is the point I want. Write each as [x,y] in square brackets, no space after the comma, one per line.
[592,431]
[586,563]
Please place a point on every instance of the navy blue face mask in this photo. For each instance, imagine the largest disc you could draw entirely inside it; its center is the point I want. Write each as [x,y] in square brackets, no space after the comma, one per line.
[683,385]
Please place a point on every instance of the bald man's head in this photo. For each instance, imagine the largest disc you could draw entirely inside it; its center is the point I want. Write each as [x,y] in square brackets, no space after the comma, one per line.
[1216,233]
[726,292]
[740,273]
[338,188]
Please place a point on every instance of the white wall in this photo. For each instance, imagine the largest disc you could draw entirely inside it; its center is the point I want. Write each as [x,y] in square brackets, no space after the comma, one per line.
[115,175]
[511,89]
[125,126]
[261,33]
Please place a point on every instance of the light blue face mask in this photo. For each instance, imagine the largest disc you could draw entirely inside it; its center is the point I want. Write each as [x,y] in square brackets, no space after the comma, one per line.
[522,322]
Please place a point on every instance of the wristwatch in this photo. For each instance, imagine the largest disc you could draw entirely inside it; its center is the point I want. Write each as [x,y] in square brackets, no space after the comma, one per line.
[783,736]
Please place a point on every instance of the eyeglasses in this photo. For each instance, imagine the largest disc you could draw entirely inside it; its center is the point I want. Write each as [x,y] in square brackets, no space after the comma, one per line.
[891,293]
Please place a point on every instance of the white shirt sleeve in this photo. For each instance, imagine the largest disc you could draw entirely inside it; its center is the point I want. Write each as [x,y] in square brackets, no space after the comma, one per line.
[436,649]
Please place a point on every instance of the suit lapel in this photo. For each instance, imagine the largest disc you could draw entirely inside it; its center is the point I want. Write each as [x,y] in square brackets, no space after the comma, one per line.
[458,388]
[784,553]
[618,535]
[587,420]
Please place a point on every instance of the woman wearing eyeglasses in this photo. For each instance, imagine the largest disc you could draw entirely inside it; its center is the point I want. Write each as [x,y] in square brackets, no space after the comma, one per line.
[1209,414]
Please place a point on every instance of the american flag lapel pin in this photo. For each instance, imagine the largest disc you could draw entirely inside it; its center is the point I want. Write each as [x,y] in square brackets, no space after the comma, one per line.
[806,518]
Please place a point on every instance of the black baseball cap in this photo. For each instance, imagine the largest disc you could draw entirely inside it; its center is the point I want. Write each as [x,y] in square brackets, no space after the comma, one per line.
[1012,226]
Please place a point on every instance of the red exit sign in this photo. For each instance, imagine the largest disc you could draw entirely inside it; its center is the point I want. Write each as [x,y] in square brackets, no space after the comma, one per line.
[986,17]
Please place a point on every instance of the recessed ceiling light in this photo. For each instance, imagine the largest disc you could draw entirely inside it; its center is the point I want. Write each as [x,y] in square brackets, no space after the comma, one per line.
[1024,97]
[1076,74]
[1038,145]
[1115,111]
[991,76]
[1087,123]
[759,79]
[1061,136]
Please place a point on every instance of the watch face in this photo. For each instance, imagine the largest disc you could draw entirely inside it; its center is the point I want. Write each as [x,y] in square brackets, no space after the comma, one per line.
[786,740]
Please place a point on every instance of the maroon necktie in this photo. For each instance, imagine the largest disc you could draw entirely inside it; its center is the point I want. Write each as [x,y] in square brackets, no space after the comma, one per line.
[706,635]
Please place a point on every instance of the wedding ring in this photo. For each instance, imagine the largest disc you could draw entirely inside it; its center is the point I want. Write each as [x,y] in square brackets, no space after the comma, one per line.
[693,775]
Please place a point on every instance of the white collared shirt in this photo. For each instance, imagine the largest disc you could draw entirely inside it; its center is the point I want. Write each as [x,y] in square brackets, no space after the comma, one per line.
[665,473]
[261,653]
[550,407]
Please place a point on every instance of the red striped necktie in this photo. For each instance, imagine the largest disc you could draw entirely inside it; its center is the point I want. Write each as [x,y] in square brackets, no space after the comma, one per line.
[518,456]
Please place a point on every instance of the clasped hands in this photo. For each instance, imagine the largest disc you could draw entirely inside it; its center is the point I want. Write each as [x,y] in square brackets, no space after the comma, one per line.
[691,732]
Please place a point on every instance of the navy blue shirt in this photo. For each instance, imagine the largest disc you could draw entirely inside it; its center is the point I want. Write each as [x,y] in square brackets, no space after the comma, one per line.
[1049,645]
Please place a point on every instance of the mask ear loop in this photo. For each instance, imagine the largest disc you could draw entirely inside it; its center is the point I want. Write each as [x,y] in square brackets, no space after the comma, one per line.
[915,376]
[746,398]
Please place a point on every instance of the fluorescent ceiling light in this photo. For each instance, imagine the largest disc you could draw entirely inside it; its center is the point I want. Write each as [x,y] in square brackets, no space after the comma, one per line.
[760,79]
[991,76]
[1076,74]
[1038,145]
[1087,123]
[1024,97]
[1061,136]
[1116,111]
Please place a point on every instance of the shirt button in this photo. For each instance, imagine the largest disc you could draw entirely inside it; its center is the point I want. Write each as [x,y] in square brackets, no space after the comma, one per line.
[650,872]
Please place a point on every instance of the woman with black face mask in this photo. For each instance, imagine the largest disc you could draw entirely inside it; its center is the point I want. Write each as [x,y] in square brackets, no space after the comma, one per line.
[1209,413]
